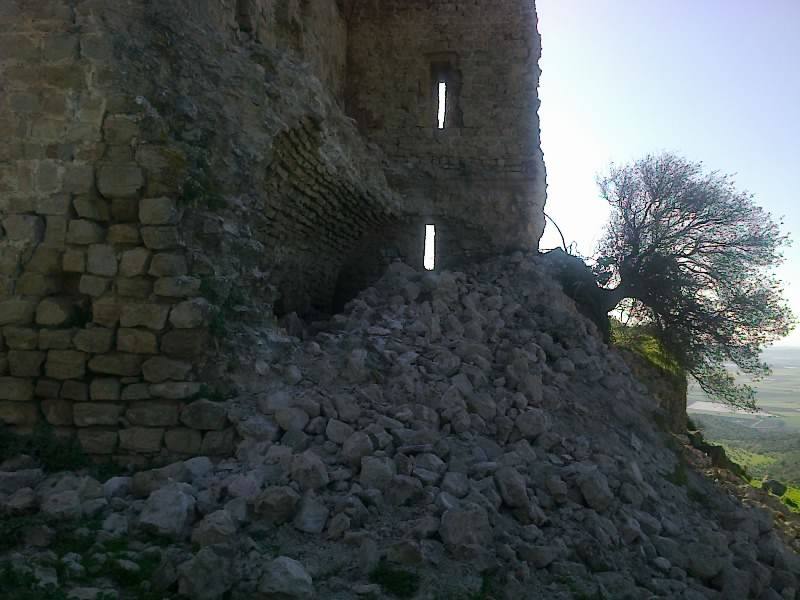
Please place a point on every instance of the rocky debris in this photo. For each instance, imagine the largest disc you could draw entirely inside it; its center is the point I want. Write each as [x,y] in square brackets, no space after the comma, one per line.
[475,431]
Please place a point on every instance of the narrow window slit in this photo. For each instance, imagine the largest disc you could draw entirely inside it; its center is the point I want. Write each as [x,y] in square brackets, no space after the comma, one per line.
[442,103]
[429,260]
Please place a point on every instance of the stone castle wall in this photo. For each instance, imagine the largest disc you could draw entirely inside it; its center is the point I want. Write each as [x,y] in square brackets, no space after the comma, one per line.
[167,168]
[480,180]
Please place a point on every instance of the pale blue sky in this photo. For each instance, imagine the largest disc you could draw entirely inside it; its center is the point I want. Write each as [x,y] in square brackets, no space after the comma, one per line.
[717,81]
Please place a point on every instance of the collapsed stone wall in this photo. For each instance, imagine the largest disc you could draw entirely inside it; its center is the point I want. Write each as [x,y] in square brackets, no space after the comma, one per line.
[161,170]
[480,179]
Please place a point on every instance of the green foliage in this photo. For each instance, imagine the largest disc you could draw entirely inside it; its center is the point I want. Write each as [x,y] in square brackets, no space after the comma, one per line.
[694,259]
[199,188]
[396,582]
[12,530]
[642,340]
[21,585]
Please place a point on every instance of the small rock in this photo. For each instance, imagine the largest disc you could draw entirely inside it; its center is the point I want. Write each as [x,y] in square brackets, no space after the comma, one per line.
[312,516]
[286,578]
[169,511]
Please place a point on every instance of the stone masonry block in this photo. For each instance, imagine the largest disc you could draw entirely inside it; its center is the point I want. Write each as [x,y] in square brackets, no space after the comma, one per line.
[16,389]
[94,286]
[21,338]
[134,287]
[91,207]
[95,340]
[74,261]
[36,284]
[58,412]
[183,441]
[78,178]
[75,390]
[160,368]
[120,180]
[177,287]
[168,265]
[54,312]
[134,262]
[65,364]
[190,314]
[20,312]
[126,234]
[153,413]
[98,441]
[89,414]
[105,388]
[141,439]
[102,260]
[185,343]
[106,311]
[120,364]
[24,228]
[161,237]
[21,414]
[46,261]
[83,232]
[119,129]
[55,339]
[152,316]
[137,341]
[55,204]
[25,363]
[158,211]
[175,390]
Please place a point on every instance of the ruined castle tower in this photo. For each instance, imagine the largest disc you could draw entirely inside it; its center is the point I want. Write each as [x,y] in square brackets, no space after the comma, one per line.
[168,166]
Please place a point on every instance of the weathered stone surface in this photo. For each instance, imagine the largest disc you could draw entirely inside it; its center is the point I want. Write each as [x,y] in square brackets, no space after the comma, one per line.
[92,285]
[84,232]
[94,340]
[119,180]
[216,443]
[185,343]
[152,413]
[512,487]
[169,511]
[284,577]
[466,531]
[123,234]
[105,388]
[134,262]
[206,576]
[311,516]
[183,441]
[141,439]
[376,472]
[160,368]
[89,414]
[533,422]
[57,412]
[63,505]
[23,228]
[56,339]
[216,528]
[177,287]
[54,312]
[166,264]
[25,363]
[189,314]
[120,364]
[594,487]
[277,504]
[152,316]
[74,261]
[205,415]
[65,364]
[21,338]
[175,390]
[17,312]
[22,414]
[309,471]
[161,238]
[98,441]
[101,259]
[137,341]
[158,211]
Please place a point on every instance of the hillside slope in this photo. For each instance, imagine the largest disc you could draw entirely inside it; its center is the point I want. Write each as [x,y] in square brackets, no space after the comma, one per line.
[450,435]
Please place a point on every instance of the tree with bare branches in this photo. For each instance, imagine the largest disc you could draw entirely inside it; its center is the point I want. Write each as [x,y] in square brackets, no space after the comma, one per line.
[693,257]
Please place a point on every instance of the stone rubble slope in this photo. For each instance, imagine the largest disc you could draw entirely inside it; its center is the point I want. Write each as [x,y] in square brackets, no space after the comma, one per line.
[471,428]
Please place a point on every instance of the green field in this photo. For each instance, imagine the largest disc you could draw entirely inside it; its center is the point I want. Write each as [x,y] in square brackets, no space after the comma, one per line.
[767,444]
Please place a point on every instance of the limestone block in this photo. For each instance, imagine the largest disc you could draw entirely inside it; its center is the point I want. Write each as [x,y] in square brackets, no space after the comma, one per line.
[60,47]
[46,261]
[106,311]
[161,237]
[168,265]
[95,340]
[25,363]
[24,228]
[21,338]
[123,234]
[16,389]
[47,388]
[74,261]
[153,413]
[21,414]
[105,388]
[160,368]
[175,390]
[177,287]
[119,129]
[190,314]
[36,284]
[55,339]
[122,365]
[48,177]
[91,207]
[134,287]
[78,178]
[141,439]
[54,312]
[98,441]
[55,233]
[84,232]
[134,262]
[158,211]
[75,390]
[18,312]
[218,443]
[58,412]
[54,204]
[205,415]
[152,316]
[89,414]
[101,260]
[136,391]
[183,441]
[185,343]
[65,364]
[137,341]
[119,180]
[94,286]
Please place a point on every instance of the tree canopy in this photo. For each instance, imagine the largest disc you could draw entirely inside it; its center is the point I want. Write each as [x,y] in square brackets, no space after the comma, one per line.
[692,256]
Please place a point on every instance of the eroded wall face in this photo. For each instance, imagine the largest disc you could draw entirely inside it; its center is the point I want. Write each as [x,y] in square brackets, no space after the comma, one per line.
[482,176]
